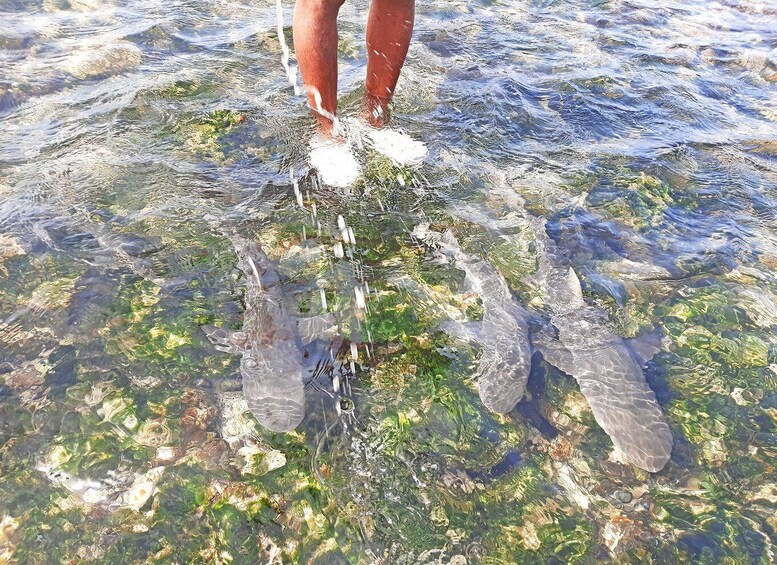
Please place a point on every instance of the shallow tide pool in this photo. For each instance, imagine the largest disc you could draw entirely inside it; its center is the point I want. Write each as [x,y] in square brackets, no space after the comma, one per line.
[137,138]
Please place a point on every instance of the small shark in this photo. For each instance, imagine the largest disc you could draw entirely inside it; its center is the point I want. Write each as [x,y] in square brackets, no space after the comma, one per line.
[276,363]
[578,341]
[503,334]
[608,368]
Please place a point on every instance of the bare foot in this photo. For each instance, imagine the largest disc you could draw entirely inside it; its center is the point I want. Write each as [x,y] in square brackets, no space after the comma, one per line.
[389,142]
[397,146]
[333,158]
[326,127]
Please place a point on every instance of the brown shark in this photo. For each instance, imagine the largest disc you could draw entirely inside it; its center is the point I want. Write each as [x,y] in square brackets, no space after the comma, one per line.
[503,334]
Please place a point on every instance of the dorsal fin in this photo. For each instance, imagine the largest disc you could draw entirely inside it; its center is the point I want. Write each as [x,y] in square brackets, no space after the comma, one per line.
[574,284]
[467,331]
[553,351]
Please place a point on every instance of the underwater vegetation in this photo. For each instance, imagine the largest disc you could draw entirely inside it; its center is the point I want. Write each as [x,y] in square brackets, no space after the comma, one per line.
[150,436]
[139,143]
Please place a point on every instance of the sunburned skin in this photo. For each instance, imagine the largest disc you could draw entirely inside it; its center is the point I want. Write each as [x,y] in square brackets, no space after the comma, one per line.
[272,345]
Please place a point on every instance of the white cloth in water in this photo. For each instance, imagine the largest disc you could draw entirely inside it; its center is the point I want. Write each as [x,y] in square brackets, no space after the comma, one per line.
[334,160]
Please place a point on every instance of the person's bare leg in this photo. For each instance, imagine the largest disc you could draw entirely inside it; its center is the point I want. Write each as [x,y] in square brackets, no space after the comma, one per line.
[315,44]
[389,28]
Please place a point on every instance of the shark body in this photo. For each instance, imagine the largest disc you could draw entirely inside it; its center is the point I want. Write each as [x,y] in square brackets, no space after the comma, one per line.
[503,334]
[608,368]
[272,344]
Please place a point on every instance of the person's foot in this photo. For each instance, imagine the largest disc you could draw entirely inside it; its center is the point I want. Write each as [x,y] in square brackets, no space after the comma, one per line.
[397,146]
[334,161]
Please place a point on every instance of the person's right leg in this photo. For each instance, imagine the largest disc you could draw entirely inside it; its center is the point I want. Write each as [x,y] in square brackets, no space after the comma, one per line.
[389,28]
[315,45]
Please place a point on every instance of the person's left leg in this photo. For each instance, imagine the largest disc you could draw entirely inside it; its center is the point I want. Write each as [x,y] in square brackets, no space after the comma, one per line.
[389,28]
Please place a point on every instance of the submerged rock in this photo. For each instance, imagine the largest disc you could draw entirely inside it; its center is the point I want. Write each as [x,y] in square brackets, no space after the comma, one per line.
[143,488]
[106,59]
[9,247]
[9,536]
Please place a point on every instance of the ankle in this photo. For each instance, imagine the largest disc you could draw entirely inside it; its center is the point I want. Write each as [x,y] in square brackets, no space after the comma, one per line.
[324,126]
[328,128]
[376,110]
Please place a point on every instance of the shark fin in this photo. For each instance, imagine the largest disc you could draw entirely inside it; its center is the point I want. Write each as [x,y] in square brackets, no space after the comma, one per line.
[574,284]
[553,351]
[644,347]
[316,327]
[225,340]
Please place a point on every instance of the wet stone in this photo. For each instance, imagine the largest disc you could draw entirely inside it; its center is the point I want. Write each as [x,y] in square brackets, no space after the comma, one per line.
[139,247]
[63,367]
[623,496]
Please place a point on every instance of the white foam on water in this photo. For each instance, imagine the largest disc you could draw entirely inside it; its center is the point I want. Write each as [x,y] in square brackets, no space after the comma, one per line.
[397,146]
[334,161]
[291,70]
[359,294]
[323,299]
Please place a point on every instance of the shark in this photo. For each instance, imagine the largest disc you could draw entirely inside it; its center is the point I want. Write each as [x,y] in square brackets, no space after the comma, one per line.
[278,353]
[608,368]
[577,339]
[580,342]
[503,333]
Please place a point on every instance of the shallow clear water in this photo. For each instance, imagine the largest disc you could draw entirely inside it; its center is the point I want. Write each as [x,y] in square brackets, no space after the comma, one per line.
[134,136]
